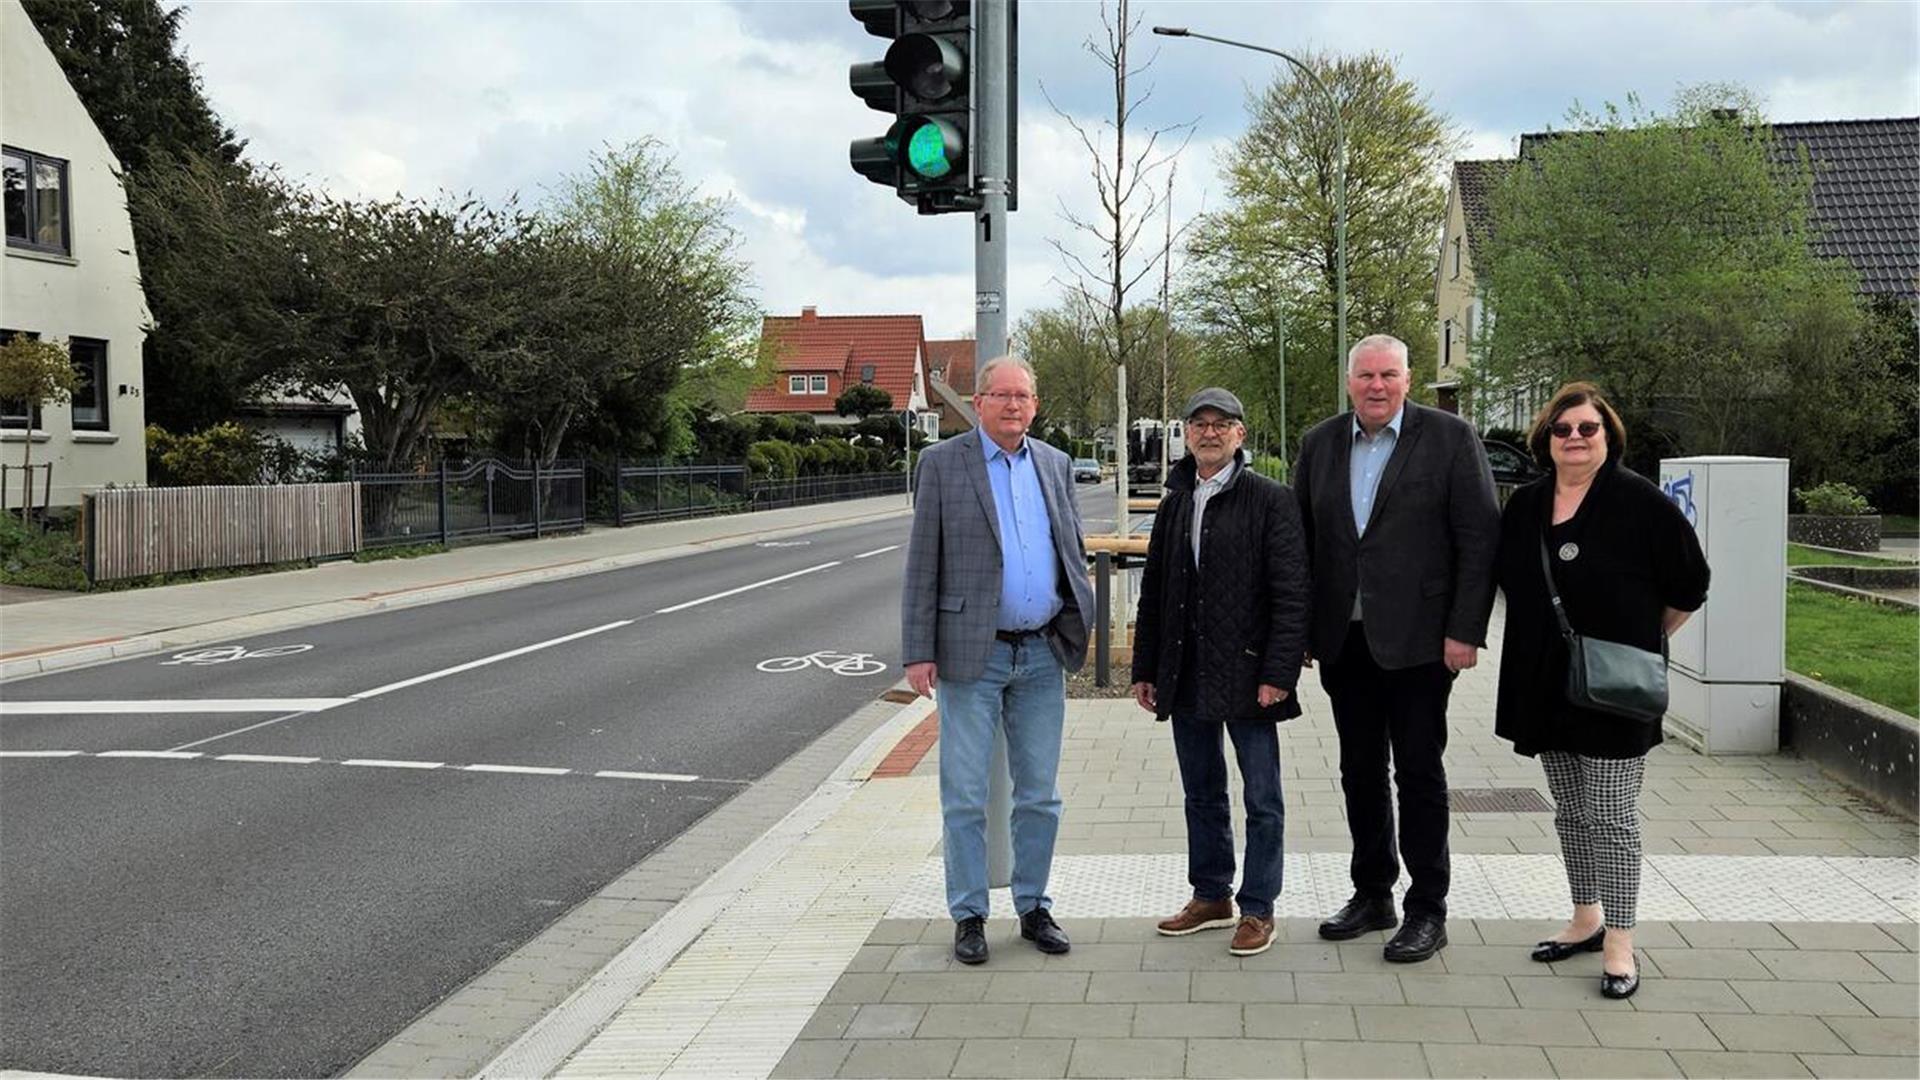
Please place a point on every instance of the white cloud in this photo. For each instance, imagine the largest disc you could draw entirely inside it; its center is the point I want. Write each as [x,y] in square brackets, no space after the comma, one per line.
[369,99]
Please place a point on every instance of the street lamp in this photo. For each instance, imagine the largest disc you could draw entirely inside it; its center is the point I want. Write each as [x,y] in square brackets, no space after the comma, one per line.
[1340,189]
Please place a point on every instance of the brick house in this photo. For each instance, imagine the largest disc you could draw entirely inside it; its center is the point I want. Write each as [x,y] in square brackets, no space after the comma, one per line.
[950,377]
[818,356]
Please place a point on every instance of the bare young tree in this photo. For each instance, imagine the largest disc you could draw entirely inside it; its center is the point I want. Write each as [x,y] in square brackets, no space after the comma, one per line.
[1128,196]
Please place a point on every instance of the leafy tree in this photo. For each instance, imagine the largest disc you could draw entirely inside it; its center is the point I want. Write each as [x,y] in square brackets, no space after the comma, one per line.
[1266,264]
[34,373]
[1668,258]
[862,400]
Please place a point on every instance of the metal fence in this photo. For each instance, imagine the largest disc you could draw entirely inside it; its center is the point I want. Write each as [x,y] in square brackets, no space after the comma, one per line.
[805,490]
[456,501]
[134,532]
[628,494]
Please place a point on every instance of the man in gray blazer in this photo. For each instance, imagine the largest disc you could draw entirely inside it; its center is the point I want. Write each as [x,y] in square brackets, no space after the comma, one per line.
[1402,526]
[995,612]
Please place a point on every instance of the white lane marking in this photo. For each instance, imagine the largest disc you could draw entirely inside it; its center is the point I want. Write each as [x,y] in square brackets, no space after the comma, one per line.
[168,705]
[170,755]
[675,778]
[531,770]
[384,763]
[40,753]
[267,759]
[878,551]
[744,588]
[244,730]
[485,660]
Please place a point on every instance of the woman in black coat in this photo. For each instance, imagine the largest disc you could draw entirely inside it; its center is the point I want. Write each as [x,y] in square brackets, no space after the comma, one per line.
[1628,569]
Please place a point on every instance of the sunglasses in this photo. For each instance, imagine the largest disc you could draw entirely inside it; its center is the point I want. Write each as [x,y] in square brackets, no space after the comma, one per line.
[1563,430]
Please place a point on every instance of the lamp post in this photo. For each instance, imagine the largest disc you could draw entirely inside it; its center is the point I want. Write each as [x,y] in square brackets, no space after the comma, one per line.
[1340,188]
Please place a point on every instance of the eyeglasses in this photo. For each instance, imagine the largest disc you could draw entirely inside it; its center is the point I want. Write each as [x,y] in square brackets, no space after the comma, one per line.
[1587,428]
[1211,427]
[1004,397]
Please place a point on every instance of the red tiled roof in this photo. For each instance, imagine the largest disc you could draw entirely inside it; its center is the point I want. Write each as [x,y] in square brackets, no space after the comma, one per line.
[953,359]
[840,347]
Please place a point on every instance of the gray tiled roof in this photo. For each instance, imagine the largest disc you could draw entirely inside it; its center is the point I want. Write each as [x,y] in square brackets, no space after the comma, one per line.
[1866,195]
[1476,181]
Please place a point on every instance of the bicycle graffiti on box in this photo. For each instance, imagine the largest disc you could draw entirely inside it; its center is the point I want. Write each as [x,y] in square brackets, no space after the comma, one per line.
[840,663]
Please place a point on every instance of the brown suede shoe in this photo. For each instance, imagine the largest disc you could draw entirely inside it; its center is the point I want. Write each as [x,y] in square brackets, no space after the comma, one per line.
[1252,937]
[1198,915]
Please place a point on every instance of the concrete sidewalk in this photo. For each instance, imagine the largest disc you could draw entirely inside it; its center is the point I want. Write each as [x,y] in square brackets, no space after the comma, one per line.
[74,630]
[1778,936]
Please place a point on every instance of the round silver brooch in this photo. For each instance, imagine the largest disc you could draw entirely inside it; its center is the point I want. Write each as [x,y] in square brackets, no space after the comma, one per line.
[1569,552]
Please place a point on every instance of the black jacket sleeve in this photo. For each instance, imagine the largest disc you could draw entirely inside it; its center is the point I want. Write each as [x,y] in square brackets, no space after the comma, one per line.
[1474,516]
[1679,564]
[1287,581]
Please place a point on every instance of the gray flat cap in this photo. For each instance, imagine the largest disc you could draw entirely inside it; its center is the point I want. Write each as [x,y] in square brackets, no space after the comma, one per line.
[1214,397]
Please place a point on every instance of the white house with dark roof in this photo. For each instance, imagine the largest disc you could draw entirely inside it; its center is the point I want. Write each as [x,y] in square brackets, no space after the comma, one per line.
[68,273]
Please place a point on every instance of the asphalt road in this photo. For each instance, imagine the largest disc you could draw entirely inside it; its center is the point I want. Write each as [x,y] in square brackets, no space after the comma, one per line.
[381,812]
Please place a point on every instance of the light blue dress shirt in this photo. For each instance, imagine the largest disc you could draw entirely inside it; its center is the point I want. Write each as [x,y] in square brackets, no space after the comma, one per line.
[1364,467]
[1029,567]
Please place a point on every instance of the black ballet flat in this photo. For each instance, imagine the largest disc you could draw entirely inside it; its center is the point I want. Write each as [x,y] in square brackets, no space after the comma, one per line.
[1548,952]
[1619,987]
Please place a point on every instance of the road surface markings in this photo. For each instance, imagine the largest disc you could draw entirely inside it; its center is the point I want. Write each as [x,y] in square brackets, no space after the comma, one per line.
[745,588]
[224,654]
[169,705]
[485,660]
[839,663]
[377,763]
[878,551]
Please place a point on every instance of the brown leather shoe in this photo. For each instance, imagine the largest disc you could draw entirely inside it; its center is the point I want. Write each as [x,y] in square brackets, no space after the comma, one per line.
[1252,937]
[1198,915]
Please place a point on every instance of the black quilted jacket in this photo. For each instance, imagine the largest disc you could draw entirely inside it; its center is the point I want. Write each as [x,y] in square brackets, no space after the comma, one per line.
[1249,597]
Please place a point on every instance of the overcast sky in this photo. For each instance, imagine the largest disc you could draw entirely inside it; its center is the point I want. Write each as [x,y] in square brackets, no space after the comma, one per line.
[384,97]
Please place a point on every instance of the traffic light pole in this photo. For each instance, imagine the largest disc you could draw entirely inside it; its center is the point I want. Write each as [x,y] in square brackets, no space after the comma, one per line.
[990,127]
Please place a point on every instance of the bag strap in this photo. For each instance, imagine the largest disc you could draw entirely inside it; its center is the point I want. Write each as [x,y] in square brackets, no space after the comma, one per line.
[1553,594]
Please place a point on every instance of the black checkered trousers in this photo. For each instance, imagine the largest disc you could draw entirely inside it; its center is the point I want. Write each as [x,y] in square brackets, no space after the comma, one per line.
[1597,814]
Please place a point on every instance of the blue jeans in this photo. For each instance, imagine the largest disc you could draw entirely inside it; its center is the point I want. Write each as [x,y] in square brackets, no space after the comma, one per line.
[1203,773]
[1023,690]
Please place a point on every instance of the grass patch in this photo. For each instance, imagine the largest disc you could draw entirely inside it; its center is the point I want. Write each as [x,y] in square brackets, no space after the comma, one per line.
[1799,555]
[1864,648]
[399,551]
[42,558]
[1899,525]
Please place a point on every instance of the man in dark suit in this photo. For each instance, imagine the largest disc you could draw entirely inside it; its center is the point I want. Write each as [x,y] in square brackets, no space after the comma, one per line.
[995,611]
[1403,527]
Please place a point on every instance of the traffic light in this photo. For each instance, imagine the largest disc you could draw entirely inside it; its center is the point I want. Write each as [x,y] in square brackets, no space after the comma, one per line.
[926,83]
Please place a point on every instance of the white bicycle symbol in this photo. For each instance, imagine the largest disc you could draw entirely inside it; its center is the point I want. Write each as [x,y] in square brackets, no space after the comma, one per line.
[851,664]
[227,653]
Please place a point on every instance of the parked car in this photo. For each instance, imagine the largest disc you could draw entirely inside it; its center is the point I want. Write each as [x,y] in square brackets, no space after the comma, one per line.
[1086,471]
[1511,465]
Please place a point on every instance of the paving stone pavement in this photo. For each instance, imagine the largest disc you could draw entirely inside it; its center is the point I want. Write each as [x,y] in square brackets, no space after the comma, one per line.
[1798,958]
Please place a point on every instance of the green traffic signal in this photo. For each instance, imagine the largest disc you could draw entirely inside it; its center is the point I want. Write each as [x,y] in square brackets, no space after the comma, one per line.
[933,148]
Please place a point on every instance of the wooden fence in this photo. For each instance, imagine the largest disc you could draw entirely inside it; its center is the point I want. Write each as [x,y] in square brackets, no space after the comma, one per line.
[134,532]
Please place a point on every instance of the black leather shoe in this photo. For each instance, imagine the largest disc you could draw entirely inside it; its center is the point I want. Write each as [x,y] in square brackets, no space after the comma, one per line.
[1361,914]
[1548,952]
[1038,927]
[970,940]
[1619,987]
[1423,936]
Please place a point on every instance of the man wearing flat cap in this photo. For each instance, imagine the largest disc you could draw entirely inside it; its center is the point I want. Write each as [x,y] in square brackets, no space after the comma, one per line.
[1221,633]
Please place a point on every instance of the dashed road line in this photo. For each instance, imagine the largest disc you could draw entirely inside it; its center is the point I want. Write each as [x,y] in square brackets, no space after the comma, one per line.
[878,551]
[169,705]
[375,763]
[745,588]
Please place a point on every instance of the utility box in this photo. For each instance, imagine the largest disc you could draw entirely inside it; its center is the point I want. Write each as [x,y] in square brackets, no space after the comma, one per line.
[1726,664]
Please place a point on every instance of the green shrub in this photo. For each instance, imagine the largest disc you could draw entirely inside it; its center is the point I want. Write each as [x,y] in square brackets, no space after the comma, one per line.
[222,454]
[1270,467]
[1833,499]
[771,459]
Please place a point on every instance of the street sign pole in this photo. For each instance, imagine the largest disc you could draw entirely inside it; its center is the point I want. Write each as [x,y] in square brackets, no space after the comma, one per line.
[991,123]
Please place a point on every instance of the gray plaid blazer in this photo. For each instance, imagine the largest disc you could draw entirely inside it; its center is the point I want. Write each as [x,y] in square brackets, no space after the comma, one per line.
[950,606]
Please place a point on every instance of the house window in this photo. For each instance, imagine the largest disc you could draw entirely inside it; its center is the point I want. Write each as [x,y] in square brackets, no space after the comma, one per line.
[15,414]
[1446,343]
[90,397]
[818,384]
[35,204]
[1456,256]
[796,384]
[866,374]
